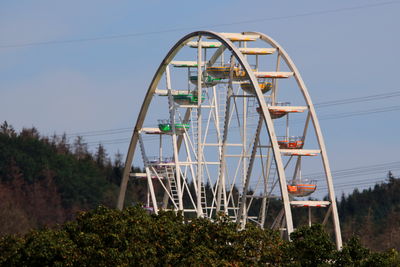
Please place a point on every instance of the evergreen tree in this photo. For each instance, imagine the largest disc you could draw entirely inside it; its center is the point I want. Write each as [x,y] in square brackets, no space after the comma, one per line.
[80,148]
[7,130]
[101,156]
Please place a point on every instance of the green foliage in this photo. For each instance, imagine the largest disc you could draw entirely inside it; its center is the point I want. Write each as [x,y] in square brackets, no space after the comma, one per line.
[310,246]
[107,237]
[354,254]
[132,237]
[48,248]
[80,180]
[44,181]
[10,250]
[373,214]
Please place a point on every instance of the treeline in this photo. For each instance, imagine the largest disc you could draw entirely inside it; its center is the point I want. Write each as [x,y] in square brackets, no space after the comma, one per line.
[132,237]
[45,181]
[373,214]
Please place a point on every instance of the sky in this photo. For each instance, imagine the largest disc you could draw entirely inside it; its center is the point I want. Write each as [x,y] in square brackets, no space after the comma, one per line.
[83,67]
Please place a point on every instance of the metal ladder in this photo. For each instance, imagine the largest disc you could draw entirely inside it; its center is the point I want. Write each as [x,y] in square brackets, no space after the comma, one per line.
[221,104]
[273,173]
[142,150]
[204,200]
[240,199]
[170,175]
[193,119]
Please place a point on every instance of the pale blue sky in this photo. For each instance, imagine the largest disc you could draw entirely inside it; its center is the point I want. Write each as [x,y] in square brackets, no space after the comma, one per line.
[99,84]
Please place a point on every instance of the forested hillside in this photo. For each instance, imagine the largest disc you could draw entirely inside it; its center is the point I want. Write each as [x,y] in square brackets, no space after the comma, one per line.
[373,214]
[45,180]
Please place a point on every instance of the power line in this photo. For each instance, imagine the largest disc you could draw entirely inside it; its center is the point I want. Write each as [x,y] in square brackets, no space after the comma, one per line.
[350,184]
[129,35]
[360,169]
[357,99]
[102,132]
[110,142]
[355,185]
[357,171]
[326,117]
[359,113]
[319,105]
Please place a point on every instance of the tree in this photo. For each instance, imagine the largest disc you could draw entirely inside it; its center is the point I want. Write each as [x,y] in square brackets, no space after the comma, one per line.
[80,148]
[32,133]
[311,246]
[132,237]
[7,129]
[118,160]
[101,156]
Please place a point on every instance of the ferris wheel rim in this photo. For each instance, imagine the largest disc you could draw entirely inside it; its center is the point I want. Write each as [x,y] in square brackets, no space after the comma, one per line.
[227,44]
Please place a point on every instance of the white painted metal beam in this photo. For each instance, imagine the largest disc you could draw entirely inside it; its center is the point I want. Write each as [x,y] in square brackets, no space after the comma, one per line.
[256,51]
[310,203]
[273,74]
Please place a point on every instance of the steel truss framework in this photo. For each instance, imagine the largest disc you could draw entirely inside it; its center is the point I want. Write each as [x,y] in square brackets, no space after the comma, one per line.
[217,138]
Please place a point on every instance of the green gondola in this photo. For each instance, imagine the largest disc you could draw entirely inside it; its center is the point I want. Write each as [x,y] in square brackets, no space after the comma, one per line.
[207,81]
[166,127]
[188,98]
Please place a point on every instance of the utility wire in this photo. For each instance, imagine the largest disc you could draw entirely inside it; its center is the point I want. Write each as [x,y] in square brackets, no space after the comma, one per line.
[129,35]
[356,185]
[339,175]
[359,113]
[318,105]
[356,169]
[326,117]
[357,99]
[100,132]
[322,118]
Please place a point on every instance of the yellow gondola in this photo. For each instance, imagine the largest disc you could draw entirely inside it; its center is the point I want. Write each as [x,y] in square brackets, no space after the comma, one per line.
[264,86]
[223,72]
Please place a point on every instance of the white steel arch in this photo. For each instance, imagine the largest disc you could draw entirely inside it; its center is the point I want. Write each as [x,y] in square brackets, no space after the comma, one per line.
[317,127]
[176,180]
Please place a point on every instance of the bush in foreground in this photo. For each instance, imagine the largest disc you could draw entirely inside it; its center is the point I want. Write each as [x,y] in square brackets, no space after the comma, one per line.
[107,237]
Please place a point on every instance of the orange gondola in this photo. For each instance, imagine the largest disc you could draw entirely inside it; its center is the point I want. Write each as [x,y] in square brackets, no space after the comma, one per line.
[301,188]
[276,113]
[292,142]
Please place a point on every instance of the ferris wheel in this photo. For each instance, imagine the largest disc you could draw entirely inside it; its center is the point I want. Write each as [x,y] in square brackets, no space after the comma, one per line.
[214,135]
